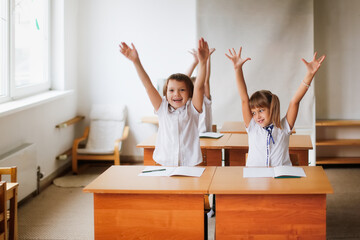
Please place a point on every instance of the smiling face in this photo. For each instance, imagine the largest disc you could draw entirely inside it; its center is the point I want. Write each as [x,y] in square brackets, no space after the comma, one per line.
[261,116]
[177,93]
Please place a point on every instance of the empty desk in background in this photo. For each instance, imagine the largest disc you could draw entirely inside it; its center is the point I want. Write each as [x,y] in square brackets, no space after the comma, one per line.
[237,147]
[127,206]
[269,208]
[211,150]
[237,127]
[233,127]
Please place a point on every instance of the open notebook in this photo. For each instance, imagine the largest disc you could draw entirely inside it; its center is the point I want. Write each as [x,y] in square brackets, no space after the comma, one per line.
[172,171]
[275,172]
[210,135]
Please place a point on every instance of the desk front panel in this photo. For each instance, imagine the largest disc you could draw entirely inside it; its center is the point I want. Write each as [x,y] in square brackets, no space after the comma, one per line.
[279,216]
[149,216]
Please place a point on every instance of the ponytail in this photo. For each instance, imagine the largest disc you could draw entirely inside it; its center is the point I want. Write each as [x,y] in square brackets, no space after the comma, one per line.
[275,111]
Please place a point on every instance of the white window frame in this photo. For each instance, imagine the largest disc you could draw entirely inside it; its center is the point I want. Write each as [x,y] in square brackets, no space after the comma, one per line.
[11,91]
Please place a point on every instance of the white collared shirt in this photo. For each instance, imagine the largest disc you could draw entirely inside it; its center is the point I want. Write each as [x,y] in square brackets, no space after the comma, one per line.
[205,119]
[177,142]
[279,152]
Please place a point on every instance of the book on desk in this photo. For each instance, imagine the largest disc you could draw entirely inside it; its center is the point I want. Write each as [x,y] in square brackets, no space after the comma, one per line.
[275,172]
[210,135]
[172,171]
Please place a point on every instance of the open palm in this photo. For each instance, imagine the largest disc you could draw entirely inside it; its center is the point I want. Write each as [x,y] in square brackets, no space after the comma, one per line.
[236,58]
[129,53]
[315,64]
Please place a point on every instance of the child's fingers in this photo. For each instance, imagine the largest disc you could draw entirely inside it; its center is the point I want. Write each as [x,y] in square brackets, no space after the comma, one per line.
[233,51]
[133,46]
[247,59]
[304,61]
[240,51]
[228,56]
[315,54]
[321,59]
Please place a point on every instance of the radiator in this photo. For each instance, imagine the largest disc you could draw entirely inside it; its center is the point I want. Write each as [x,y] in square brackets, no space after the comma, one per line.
[24,158]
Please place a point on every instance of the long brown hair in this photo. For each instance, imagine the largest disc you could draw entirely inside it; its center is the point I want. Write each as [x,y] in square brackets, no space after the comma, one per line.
[181,78]
[265,98]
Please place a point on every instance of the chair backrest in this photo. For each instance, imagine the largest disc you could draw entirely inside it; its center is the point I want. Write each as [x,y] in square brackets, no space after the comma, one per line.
[11,171]
[3,212]
[107,124]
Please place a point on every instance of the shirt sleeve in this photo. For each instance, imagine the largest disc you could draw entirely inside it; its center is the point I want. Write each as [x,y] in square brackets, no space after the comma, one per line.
[162,106]
[251,125]
[285,125]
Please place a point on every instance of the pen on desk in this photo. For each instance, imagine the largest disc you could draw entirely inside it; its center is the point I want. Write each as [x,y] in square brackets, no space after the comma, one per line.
[155,170]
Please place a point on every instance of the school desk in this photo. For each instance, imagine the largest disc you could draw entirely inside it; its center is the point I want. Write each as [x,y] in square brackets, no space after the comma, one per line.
[128,206]
[237,127]
[237,147]
[211,150]
[233,127]
[269,208]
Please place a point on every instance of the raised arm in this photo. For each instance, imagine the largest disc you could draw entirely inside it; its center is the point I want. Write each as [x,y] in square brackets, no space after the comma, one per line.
[207,75]
[132,55]
[193,65]
[238,63]
[203,55]
[312,68]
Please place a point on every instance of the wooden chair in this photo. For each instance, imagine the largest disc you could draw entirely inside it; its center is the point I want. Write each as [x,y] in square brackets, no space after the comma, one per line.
[104,136]
[3,213]
[11,171]
[11,215]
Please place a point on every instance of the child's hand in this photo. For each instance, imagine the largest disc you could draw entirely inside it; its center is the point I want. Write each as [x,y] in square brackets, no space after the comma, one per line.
[195,55]
[236,58]
[129,53]
[203,50]
[211,51]
[314,65]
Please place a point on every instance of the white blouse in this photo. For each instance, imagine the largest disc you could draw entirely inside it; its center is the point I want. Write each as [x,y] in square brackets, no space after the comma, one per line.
[177,142]
[278,152]
[205,119]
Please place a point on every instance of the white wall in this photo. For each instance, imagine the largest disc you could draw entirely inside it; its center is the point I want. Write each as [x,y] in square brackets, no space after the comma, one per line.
[162,32]
[37,124]
[338,35]
[275,34]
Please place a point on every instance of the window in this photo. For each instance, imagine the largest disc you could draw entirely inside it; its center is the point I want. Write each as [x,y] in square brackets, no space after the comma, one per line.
[24,48]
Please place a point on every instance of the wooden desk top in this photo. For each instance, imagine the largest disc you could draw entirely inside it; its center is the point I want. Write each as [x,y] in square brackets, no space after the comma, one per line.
[233,127]
[125,179]
[229,180]
[208,143]
[296,142]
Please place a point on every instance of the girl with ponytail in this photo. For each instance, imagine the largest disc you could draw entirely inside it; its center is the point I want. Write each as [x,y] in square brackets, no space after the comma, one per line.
[268,134]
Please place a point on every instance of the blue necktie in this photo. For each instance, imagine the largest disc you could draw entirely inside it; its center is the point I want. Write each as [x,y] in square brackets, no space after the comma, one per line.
[269,130]
[269,136]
